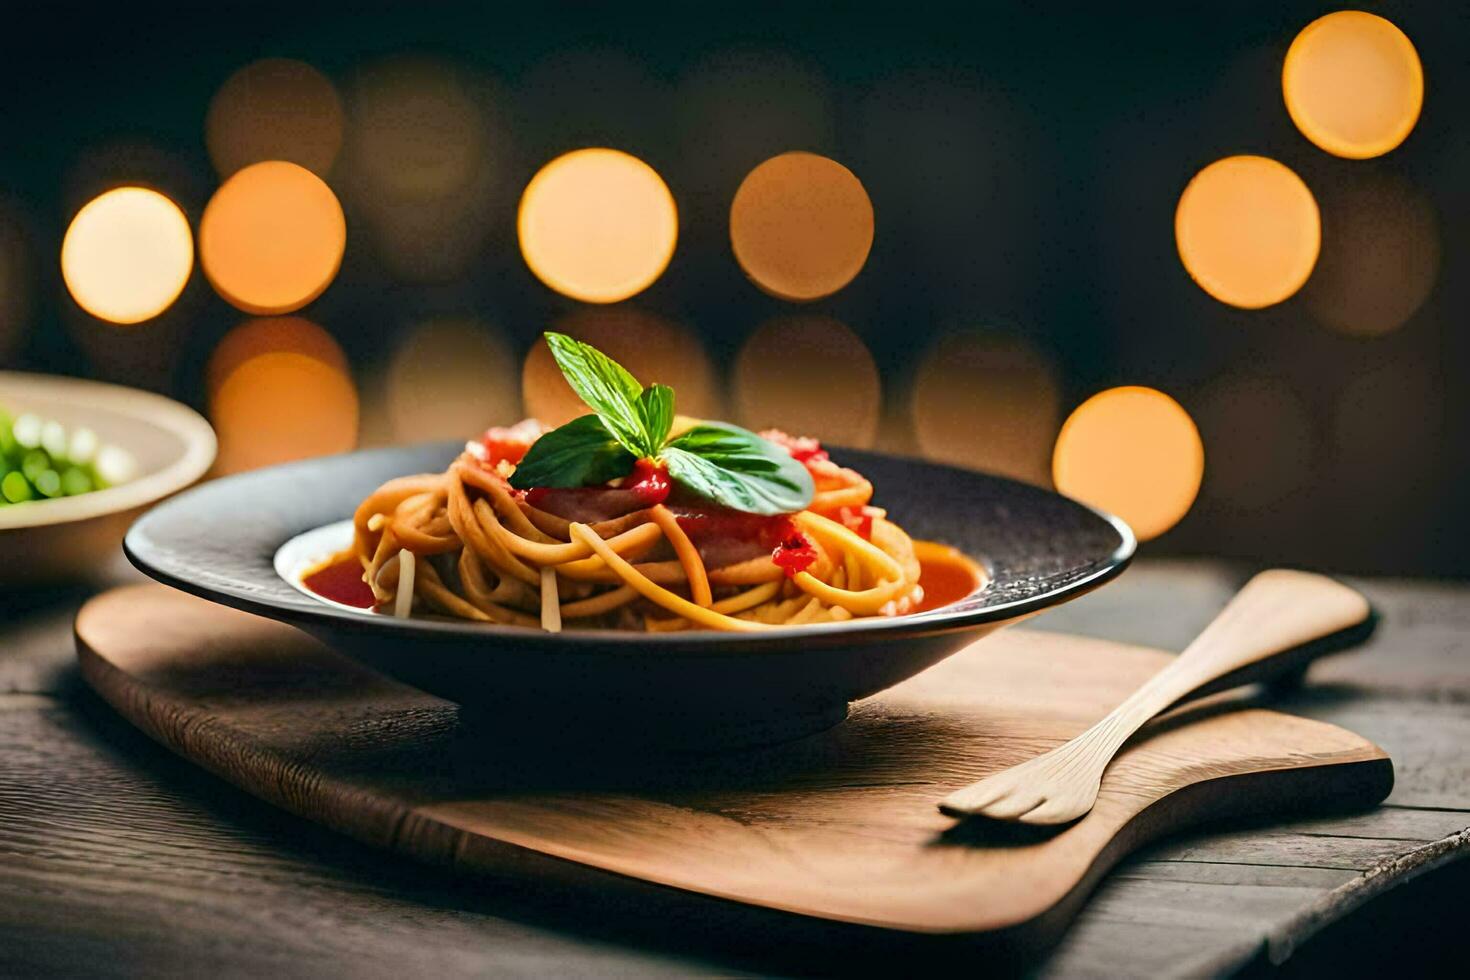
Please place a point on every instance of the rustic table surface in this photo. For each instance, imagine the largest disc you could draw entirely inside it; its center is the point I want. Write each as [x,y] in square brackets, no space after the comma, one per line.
[117,858]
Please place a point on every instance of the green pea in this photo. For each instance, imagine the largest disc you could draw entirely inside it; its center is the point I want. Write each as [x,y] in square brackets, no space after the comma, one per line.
[75,481]
[34,463]
[15,488]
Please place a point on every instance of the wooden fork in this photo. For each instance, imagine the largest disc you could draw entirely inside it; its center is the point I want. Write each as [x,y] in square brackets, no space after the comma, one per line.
[1265,631]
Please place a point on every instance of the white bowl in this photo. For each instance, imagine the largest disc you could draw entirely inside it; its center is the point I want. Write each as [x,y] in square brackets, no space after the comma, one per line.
[44,541]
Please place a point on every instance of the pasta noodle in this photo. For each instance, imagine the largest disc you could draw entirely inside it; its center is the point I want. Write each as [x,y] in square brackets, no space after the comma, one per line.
[463,543]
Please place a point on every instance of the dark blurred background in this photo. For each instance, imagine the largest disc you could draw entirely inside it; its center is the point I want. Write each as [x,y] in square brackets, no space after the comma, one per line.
[1024,164]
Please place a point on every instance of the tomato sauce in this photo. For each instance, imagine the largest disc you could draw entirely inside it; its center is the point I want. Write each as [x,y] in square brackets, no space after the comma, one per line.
[777,533]
[946,575]
[646,486]
[340,580]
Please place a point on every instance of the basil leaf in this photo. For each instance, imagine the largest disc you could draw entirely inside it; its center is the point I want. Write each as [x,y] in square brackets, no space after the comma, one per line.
[579,454]
[738,469]
[606,387]
[656,410]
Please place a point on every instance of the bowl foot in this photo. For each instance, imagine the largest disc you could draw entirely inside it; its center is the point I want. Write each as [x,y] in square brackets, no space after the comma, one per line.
[672,734]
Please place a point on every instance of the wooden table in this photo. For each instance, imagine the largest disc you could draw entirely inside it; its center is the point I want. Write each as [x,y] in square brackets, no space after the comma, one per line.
[117,858]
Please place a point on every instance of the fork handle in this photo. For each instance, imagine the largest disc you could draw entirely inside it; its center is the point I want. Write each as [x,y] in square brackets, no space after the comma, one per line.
[1278,622]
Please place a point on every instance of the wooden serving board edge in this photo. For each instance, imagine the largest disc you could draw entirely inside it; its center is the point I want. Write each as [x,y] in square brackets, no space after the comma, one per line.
[404,829]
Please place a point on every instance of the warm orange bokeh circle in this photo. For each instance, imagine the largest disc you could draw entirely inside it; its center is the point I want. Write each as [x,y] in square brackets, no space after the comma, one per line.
[272,237]
[597,225]
[1133,452]
[127,255]
[1353,84]
[1248,231]
[801,226]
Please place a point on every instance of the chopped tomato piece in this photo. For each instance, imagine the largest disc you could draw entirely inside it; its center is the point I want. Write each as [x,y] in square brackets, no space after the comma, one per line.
[803,449]
[509,443]
[649,481]
[859,520]
[795,554]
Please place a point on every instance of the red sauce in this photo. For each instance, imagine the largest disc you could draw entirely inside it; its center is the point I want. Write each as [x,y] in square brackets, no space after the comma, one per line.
[789,547]
[945,581]
[710,522]
[341,581]
[646,486]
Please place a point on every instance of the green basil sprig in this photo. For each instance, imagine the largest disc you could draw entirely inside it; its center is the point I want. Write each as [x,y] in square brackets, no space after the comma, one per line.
[722,463]
[738,469]
[579,454]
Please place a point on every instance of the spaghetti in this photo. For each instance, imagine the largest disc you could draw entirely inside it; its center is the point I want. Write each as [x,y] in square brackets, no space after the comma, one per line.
[636,552]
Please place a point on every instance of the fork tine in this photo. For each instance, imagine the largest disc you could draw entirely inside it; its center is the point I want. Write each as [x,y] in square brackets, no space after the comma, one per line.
[1050,812]
[1262,629]
[972,799]
[1013,805]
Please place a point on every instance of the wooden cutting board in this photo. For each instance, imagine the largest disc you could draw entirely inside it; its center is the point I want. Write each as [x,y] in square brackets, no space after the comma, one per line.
[839,830]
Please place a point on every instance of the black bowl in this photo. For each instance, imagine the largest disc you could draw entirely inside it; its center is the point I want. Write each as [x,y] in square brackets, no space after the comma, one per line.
[693,688]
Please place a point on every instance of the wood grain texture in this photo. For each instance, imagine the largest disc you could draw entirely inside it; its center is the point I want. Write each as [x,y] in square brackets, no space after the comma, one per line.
[118,857]
[839,827]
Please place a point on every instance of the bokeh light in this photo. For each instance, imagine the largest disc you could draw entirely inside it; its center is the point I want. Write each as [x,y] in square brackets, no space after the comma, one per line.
[146,353]
[274,109]
[1133,452]
[135,162]
[272,237]
[280,390]
[801,226]
[1353,84]
[1381,258]
[127,255]
[652,348]
[417,130]
[424,164]
[1263,446]
[452,377]
[266,335]
[810,375]
[989,402]
[1248,231]
[734,109]
[597,225]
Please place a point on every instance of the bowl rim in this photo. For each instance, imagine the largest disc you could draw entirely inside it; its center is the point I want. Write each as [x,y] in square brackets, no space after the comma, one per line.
[946,619]
[196,434]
